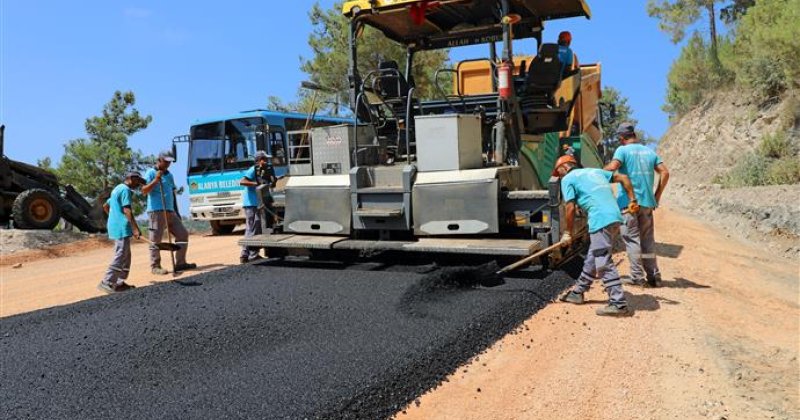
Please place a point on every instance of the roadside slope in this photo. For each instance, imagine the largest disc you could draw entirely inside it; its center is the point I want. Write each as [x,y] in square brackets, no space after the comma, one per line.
[708,142]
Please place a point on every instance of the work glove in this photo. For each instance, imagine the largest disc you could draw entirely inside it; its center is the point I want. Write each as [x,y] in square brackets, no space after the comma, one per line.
[566,238]
[633,207]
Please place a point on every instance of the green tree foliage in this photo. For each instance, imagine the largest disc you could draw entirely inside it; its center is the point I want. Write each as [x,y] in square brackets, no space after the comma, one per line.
[677,16]
[776,161]
[328,67]
[694,74]
[735,10]
[614,99]
[760,55]
[95,164]
[46,163]
[768,47]
[623,112]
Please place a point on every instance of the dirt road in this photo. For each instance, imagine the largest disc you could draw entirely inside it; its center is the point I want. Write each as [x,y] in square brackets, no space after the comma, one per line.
[720,340]
[47,282]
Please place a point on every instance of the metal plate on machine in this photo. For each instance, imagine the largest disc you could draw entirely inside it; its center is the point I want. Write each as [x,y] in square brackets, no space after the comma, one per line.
[510,247]
[520,247]
[292,241]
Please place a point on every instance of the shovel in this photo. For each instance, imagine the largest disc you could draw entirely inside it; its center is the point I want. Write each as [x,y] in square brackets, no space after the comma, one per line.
[163,246]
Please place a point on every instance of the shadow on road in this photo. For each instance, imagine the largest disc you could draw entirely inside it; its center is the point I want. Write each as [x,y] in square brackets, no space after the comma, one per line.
[647,302]
[682,283]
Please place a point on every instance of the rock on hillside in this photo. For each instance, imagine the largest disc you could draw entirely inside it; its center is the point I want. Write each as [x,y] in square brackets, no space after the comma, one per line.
[707,142]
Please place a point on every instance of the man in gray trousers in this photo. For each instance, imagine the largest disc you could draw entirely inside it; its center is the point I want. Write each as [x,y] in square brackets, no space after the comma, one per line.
[121,227]
[639,163]
[258,174]
[162,214]
[590,189]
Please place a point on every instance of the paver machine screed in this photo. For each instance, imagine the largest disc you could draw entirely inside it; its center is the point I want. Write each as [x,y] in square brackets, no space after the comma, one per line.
[467,172]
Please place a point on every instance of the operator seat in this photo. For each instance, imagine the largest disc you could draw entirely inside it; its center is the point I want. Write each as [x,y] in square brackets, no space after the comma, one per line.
[544,74]
[394,87]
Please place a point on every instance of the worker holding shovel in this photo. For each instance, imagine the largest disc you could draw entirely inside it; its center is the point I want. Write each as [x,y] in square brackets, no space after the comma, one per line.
[640,164]
[163,215]
[259,174]
[121,227]
[591,189]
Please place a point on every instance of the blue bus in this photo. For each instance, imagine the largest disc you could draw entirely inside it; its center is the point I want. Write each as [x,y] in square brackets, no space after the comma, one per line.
[222,149]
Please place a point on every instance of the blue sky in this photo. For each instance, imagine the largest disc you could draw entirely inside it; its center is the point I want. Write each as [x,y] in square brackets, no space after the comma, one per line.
[61,61]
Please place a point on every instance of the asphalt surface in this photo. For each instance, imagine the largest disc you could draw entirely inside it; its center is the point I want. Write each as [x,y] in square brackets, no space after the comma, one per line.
[257,342]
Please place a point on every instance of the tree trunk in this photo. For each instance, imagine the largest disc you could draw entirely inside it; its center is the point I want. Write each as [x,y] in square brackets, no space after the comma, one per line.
[712,27]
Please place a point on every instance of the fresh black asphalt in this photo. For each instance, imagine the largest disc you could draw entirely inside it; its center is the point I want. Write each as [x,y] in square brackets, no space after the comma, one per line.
[259,341]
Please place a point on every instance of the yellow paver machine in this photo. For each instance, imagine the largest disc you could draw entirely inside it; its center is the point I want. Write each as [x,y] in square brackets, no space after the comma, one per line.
[468,172]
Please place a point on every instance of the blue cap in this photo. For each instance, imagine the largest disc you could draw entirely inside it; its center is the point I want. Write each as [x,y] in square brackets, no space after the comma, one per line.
[626,128]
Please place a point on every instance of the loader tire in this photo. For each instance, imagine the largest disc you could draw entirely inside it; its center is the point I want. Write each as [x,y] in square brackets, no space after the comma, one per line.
[217,228]
[36,209]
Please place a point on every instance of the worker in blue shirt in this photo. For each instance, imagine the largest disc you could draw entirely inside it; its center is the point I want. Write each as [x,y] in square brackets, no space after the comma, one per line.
[640,164]
[259,174]
[591,189]
[162,212]
[121,227]
[565,54]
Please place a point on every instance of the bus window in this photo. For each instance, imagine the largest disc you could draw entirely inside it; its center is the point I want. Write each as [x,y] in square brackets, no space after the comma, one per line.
[277,147]
[205,148]
[240,142]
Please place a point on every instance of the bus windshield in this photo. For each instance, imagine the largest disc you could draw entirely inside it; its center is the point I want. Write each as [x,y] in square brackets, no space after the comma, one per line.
[227,145]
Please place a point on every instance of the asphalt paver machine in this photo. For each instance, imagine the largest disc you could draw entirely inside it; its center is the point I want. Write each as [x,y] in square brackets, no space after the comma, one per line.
[467,172]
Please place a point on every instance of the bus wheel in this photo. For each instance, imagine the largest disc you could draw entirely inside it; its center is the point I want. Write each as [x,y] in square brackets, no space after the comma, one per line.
[217,228]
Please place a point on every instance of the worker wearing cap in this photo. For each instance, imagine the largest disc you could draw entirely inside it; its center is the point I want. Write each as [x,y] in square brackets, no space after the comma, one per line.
[565,54]
[591,189]
[639,163]
[162,212]
[259,174]
[121,226]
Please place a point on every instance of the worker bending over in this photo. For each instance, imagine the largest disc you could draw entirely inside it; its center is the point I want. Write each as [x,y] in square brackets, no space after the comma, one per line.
[639,163]
[162,213]
[591,189]
[121,226]
[259,174]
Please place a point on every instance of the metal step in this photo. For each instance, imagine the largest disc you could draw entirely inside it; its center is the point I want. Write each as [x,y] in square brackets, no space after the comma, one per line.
[381,190]
[379,212]
[484,246]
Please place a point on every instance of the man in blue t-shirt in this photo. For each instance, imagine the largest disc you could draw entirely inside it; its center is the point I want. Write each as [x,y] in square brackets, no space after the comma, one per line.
[259,174]
[591,190]
[640,163]
[162,212]
[121,226]
[565,54]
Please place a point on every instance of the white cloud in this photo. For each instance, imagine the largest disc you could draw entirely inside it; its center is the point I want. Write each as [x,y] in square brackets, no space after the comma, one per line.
[137,12]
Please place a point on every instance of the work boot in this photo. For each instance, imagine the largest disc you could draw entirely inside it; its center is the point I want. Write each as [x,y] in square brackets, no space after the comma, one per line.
[653,282]
[159,271]
[122,287]
[105,287]
[631,282]
[572,297]
[185,266]
[243,260]
[614,310]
